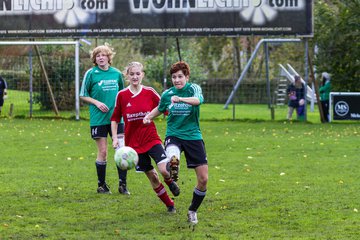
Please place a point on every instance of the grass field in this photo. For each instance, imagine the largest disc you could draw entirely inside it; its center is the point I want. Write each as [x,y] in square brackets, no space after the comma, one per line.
[215,112]
[267,180]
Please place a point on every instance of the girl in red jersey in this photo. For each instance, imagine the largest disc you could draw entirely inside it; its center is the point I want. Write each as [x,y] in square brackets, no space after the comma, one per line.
[133,103]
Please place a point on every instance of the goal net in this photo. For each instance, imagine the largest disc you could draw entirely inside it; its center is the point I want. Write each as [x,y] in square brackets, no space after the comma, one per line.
[42,78]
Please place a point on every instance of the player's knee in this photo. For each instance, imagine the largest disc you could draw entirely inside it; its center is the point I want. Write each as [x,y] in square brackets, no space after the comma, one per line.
[202,180]
[152,176]
[102,154]
[172,150]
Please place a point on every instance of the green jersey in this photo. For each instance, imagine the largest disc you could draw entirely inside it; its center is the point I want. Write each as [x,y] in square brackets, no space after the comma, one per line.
[325,91]
[183,118]
[103,86]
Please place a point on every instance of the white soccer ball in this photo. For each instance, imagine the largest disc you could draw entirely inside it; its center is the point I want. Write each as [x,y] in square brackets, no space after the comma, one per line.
[126,158]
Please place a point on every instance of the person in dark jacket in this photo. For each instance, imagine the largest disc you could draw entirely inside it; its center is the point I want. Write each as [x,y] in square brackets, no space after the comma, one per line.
[296,93]
[3,93]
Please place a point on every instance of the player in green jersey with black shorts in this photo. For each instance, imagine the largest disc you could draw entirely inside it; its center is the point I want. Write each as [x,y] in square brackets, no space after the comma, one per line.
[182,102]
[99,88]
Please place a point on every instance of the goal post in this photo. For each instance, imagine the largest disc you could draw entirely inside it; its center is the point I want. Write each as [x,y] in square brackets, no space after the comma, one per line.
[76,65]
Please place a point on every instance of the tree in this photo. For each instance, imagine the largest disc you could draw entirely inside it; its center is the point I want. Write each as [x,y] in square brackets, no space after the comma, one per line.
[337,37]
[154,64]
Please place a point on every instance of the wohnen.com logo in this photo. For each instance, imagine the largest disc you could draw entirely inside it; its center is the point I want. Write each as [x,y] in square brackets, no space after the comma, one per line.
[257,11]
[73,13]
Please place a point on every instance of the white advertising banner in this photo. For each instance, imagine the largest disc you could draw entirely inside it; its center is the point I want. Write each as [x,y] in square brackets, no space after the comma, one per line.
[112,18]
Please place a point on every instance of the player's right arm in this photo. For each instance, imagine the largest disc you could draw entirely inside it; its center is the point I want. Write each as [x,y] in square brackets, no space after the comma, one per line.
[157,110]
[85,93]
[100,105]
[151,115]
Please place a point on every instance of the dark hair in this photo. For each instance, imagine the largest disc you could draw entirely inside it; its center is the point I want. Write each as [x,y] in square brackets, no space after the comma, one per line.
[180,66]
[297,82]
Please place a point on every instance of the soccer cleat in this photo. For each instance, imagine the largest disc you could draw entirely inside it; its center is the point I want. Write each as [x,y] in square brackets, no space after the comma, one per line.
[174,188]
[104,189]
[171,209]
[123,189]
[174,168]
[192,217]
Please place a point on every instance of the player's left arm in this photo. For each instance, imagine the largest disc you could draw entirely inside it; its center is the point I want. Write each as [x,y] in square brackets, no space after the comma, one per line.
[194,100]
[189,100]
[115,118]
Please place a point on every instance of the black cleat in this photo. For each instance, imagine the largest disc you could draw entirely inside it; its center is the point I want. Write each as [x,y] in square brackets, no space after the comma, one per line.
[104,189]
[123,189]
[174,188]
[171,209]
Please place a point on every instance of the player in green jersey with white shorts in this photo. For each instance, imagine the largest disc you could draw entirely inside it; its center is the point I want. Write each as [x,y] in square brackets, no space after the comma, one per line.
[99,88]
[182,102]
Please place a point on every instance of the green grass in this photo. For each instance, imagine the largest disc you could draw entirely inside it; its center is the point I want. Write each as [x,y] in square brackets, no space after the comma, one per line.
[20,100]
[214,112]
[267,180]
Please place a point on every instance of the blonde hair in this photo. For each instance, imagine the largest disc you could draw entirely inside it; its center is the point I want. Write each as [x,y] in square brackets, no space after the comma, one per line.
[131,65]
[106,49]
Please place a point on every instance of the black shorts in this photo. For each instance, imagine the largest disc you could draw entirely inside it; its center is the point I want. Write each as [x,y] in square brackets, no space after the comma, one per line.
[103,131]
[194,150]
[157,153]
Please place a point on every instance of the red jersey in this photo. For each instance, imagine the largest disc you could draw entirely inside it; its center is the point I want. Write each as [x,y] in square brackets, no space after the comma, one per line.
[133,108]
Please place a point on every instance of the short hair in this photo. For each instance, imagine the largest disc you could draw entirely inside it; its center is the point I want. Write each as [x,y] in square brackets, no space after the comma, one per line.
[131,65]
[180,66]
[106,49]
[297,77]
